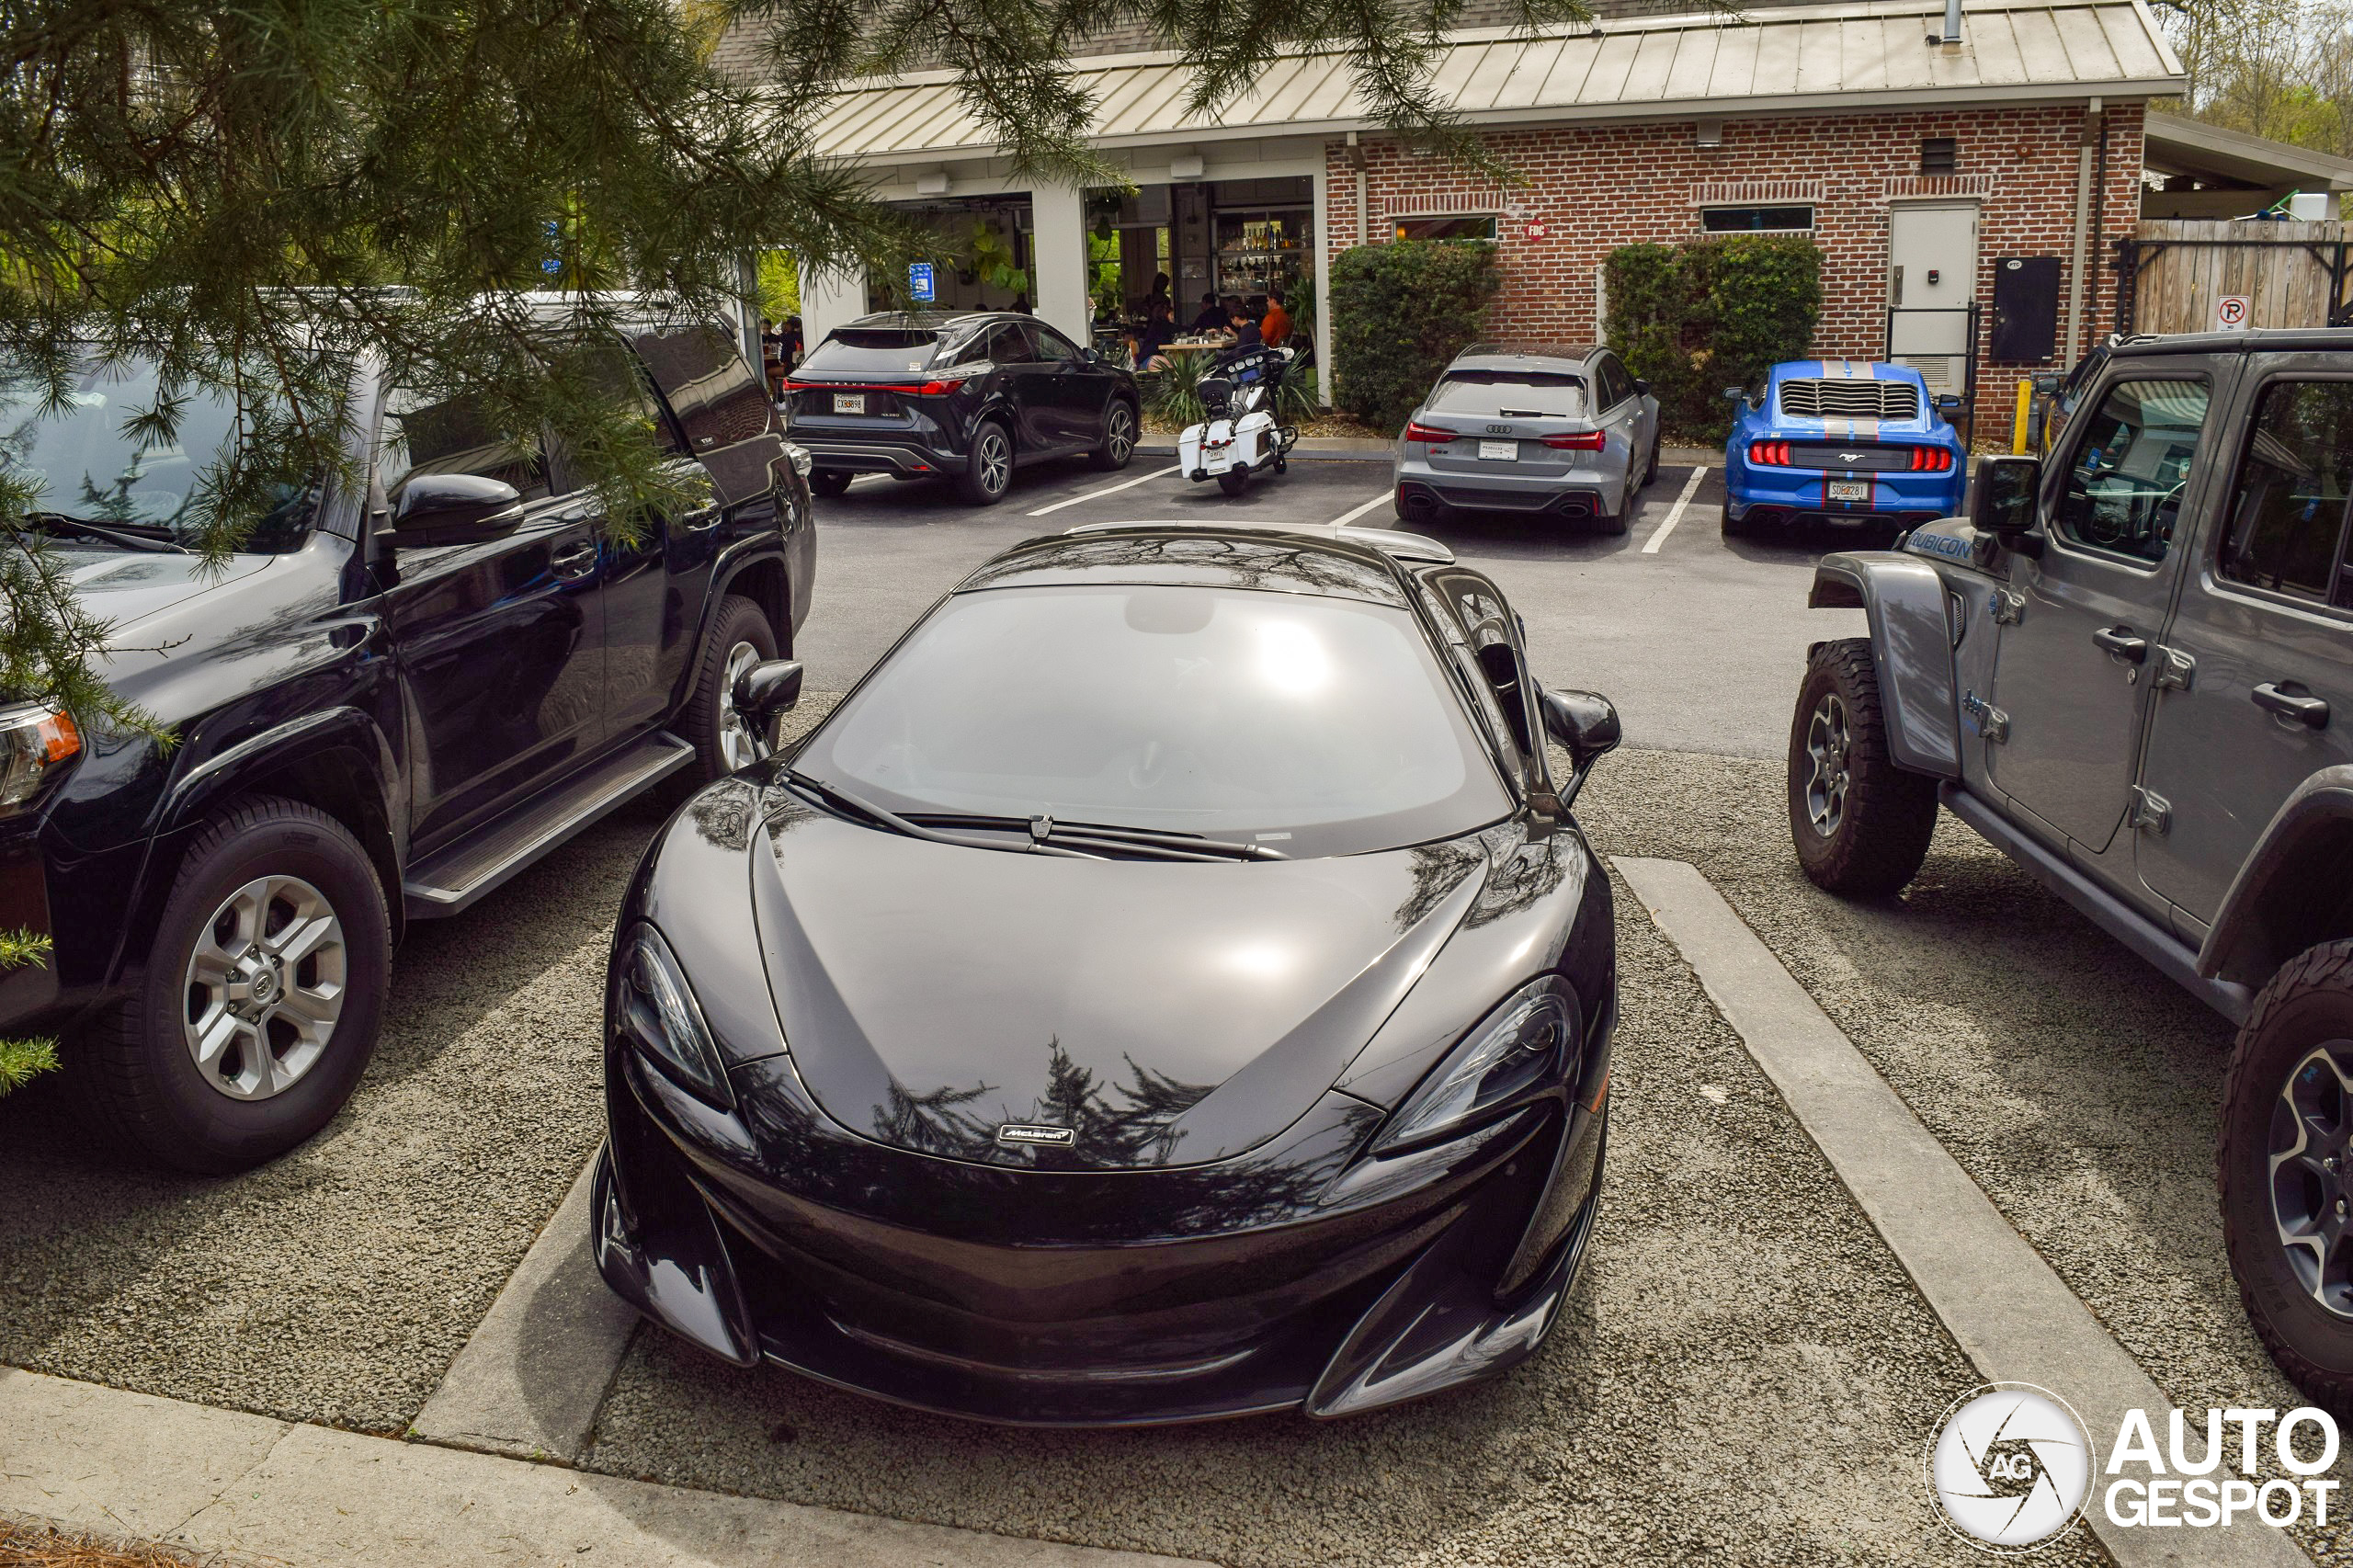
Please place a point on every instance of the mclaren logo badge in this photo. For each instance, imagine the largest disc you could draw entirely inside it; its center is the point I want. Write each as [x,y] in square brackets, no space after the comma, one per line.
[1027,1132]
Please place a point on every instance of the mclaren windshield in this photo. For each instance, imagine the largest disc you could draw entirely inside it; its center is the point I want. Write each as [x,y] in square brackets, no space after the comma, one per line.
[1305,725]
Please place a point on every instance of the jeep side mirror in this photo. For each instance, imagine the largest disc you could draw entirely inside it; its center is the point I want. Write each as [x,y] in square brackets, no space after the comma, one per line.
[2004,503]
[455,508]
[766,692]
[1583,725]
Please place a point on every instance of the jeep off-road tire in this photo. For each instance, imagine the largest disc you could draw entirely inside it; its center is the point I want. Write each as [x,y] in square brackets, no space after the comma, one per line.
[1862,825]
[133,1067]
[988,467]
[740,638]
[2303,1014]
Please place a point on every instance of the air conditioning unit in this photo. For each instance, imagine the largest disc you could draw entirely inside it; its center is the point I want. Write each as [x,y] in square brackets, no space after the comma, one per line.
[1186,166]
[932,181]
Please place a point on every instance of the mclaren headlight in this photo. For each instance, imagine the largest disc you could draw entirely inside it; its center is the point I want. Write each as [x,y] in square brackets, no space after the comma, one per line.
[1510,1052]
[38,743]
[656,1012]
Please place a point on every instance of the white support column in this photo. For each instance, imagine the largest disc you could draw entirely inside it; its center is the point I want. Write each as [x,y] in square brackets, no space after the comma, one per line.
[829,300]
[1323,291]
[1058,261]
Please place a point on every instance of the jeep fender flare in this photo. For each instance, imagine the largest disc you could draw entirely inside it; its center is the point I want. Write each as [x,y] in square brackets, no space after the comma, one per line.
[1911,651]
[2290,892]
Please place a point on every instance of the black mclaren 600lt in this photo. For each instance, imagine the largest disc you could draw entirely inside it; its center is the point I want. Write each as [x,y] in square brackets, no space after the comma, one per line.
[1170,985]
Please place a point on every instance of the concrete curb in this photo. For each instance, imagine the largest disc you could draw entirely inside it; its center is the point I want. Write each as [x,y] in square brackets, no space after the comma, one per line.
[2011,1314]
[530,1381]
[209,1481]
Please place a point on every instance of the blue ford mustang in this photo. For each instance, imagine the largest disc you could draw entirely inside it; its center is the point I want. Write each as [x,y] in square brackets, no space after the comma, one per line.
[1846,441]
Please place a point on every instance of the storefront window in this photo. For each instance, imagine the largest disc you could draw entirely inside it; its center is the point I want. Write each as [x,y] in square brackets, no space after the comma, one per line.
[1468,226]
[1756,220]
[1268,248]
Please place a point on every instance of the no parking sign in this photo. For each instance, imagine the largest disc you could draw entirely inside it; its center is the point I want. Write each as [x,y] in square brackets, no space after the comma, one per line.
[2233,311]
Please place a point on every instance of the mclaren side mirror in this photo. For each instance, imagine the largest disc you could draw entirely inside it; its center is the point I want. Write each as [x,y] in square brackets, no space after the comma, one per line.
[455,508]
[1583,725]
[766,692]
[2003,502]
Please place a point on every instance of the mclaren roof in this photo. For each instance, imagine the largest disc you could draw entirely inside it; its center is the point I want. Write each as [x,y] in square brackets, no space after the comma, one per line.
[1817,56]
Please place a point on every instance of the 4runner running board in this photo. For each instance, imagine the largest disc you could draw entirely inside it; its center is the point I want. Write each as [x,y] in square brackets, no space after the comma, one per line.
[451,879]
[2102,908]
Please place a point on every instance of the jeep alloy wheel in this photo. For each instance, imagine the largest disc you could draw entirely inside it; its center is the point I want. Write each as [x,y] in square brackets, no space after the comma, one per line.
[1827,742]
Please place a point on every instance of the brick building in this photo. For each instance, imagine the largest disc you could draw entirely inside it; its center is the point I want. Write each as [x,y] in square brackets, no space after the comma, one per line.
[1923,166]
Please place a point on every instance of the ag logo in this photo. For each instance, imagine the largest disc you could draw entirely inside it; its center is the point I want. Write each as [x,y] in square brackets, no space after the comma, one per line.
[2010,1465]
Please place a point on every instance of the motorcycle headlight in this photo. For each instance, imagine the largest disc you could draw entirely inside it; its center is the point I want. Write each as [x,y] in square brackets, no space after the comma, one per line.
[38,743]
[655,1011]
[1510,1050]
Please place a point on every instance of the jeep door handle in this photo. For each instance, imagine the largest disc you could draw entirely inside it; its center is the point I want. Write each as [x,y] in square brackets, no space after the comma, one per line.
[2122,642]
[2302,707]
[575,560]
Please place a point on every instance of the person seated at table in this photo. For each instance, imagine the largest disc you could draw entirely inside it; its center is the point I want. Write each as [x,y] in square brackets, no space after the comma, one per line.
[1152,337]
[1248,338]
[1213,316]
[1276,324]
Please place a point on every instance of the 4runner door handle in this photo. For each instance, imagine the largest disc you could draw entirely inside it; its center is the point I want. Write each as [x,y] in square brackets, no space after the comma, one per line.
[2298,705]
[2123,642]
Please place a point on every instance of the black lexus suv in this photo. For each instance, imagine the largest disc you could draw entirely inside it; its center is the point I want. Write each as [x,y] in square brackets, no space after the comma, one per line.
[398,694]
[964,397]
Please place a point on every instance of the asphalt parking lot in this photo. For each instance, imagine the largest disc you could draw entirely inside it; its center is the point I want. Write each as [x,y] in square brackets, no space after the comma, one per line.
[1746,1374]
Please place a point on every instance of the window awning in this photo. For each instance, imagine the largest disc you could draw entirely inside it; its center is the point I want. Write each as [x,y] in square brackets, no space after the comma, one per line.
[1826,57]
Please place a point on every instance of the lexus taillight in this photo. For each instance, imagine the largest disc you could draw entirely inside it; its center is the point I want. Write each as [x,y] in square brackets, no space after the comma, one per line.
[1771,454]
[1416,431]
[1577,441]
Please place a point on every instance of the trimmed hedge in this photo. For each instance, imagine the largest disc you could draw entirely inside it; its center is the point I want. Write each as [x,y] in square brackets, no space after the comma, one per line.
[1399,312]
[1696,318]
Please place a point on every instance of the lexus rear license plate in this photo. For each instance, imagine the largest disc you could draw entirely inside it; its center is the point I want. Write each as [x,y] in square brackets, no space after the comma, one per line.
[1850,489]
[849,403]
[1507,450]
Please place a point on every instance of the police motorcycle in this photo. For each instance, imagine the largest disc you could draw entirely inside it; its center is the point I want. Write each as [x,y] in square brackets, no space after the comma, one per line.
[1240,436]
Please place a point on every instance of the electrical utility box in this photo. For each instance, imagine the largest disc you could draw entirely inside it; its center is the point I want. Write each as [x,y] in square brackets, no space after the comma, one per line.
[2025,309]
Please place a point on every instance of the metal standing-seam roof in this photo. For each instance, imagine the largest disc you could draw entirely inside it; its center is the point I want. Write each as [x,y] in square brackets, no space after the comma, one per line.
[1845,56]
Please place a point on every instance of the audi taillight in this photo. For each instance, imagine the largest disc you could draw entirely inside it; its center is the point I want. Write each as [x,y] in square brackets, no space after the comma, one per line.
[1578,441]
[1415,431]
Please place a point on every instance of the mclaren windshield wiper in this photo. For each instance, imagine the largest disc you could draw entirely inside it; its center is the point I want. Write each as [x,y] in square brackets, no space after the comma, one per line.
[1047,830]
[61,522]
[837,797]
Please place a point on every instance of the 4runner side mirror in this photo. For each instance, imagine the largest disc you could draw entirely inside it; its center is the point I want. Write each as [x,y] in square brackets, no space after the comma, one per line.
[1583,725]
[766,692]
[2004,503]
[455,508]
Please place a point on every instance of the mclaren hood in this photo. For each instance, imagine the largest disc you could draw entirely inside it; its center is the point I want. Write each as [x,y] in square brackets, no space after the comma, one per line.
[1030,1010]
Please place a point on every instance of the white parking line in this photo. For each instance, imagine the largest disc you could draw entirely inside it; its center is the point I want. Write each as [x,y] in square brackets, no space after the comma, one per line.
[1109,490]
[1675,513]
[1351,515]
[2009,1312]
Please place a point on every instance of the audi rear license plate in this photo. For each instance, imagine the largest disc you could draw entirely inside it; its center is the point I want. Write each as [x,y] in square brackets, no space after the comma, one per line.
[1850,489]
[1507,450]
[849,403]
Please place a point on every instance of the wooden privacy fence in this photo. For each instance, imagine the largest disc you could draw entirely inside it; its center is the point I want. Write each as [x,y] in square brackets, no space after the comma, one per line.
[2185,274]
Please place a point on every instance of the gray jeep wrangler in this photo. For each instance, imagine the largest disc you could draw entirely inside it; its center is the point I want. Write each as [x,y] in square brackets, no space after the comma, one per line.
[2121,669]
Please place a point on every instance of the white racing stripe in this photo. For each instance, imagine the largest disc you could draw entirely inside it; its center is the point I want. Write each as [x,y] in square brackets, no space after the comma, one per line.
[1675,513]
[1108,490]
[1353,513]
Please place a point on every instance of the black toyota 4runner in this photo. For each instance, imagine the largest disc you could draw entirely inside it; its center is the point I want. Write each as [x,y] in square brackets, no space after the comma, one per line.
[391,701]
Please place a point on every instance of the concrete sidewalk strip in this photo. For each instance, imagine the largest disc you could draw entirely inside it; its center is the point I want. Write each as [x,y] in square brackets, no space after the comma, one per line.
[530,1380]
[89,1457]
[2011,1314]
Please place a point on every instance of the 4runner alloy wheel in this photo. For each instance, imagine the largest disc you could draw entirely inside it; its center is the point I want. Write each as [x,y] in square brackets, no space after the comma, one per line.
[1860,824]
[2285,1165]
[255,1008]
[988,467]
[740,638]
[1118,438]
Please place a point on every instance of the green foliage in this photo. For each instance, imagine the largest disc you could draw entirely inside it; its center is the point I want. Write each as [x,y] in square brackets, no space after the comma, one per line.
[778,285]
[991,256]
[1399,312]
[1174,392]
[1696,318]
[22,1059]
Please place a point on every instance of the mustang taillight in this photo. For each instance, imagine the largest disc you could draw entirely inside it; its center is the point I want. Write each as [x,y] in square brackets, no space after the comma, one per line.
[1931,459]
[1578,441]
[1430,433]
[1771,454]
